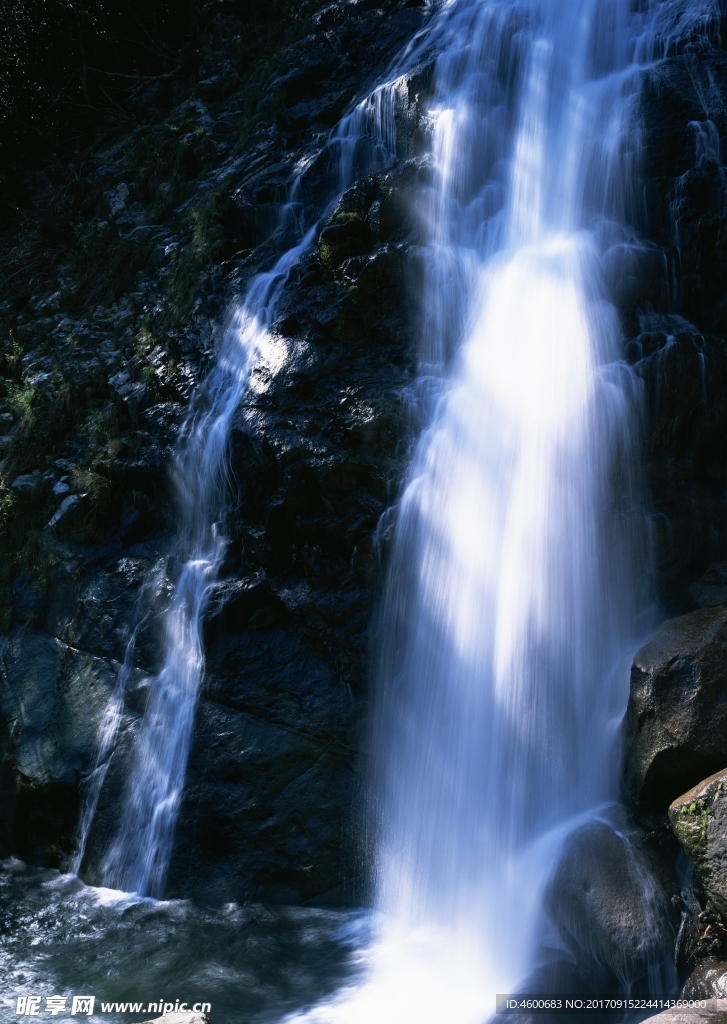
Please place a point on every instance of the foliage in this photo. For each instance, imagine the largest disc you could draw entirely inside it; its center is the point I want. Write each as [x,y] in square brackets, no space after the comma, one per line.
[78,79]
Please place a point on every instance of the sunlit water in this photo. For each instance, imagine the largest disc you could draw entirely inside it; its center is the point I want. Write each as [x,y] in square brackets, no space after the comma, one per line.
[515,591]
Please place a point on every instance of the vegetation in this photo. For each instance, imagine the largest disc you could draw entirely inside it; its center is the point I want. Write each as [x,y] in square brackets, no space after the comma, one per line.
[128,83]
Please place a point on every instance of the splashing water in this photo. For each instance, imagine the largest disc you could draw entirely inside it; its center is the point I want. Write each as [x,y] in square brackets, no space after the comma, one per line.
[515,593]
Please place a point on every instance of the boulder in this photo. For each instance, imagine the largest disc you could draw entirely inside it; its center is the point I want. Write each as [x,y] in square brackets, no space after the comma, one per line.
[675,730]
[699,819]
[611,911]
[714,1012]
[708,980]
[26,485]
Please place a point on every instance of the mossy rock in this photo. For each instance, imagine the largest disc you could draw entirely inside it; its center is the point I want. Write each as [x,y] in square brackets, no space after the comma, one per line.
[699,819]
[347,236]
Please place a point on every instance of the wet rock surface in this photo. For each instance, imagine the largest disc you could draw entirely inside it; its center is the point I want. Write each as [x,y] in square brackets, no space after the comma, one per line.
[715,1012]
[699,820]
[610,903]
[675,730]
[707,981]
[674,306]
[711,589]
[100,360]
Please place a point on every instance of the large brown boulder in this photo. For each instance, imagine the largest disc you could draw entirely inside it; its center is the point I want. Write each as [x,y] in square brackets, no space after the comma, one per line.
[699,819]
[675,730]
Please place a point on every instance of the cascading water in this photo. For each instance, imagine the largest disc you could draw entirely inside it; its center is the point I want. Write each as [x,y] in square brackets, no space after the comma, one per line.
[138,857]
[516,583]
[513,595]
[515,556]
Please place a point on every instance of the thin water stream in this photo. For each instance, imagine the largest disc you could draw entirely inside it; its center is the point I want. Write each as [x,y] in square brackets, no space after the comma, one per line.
[515,591]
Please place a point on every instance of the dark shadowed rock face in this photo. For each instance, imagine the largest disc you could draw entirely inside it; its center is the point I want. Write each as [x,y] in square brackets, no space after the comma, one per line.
[699,819]
[710,590]
[674,308]
[675,730]
[316,455]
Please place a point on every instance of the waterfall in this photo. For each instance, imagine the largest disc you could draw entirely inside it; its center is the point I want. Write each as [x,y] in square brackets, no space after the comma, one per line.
[514,591]
[137,859]
[516,587]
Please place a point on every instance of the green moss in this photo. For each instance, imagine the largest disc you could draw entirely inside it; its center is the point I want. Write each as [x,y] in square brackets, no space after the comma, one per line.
[104,425]
[100,504]
[203,223]
[691,827]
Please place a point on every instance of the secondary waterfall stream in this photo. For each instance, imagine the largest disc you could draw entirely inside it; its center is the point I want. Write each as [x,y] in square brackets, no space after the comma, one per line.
[515,589]
[138,857]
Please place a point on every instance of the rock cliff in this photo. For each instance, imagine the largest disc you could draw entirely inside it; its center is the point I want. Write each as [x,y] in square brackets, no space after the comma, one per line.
[103,347]
[119,277]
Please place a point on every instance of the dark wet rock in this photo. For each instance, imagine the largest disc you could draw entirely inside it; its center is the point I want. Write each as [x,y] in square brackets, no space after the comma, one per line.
[675,730]
[27,485]
[67,513]
[689,947]
[711,590]
[683,358]
[699,819]
[609,901]
[133,393]
[347,236]
[114,344]
[685,379]
[53,699]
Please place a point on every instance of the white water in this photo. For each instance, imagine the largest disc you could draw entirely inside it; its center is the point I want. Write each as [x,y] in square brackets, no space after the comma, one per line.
[515,590]
[513,594]
[138,858]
